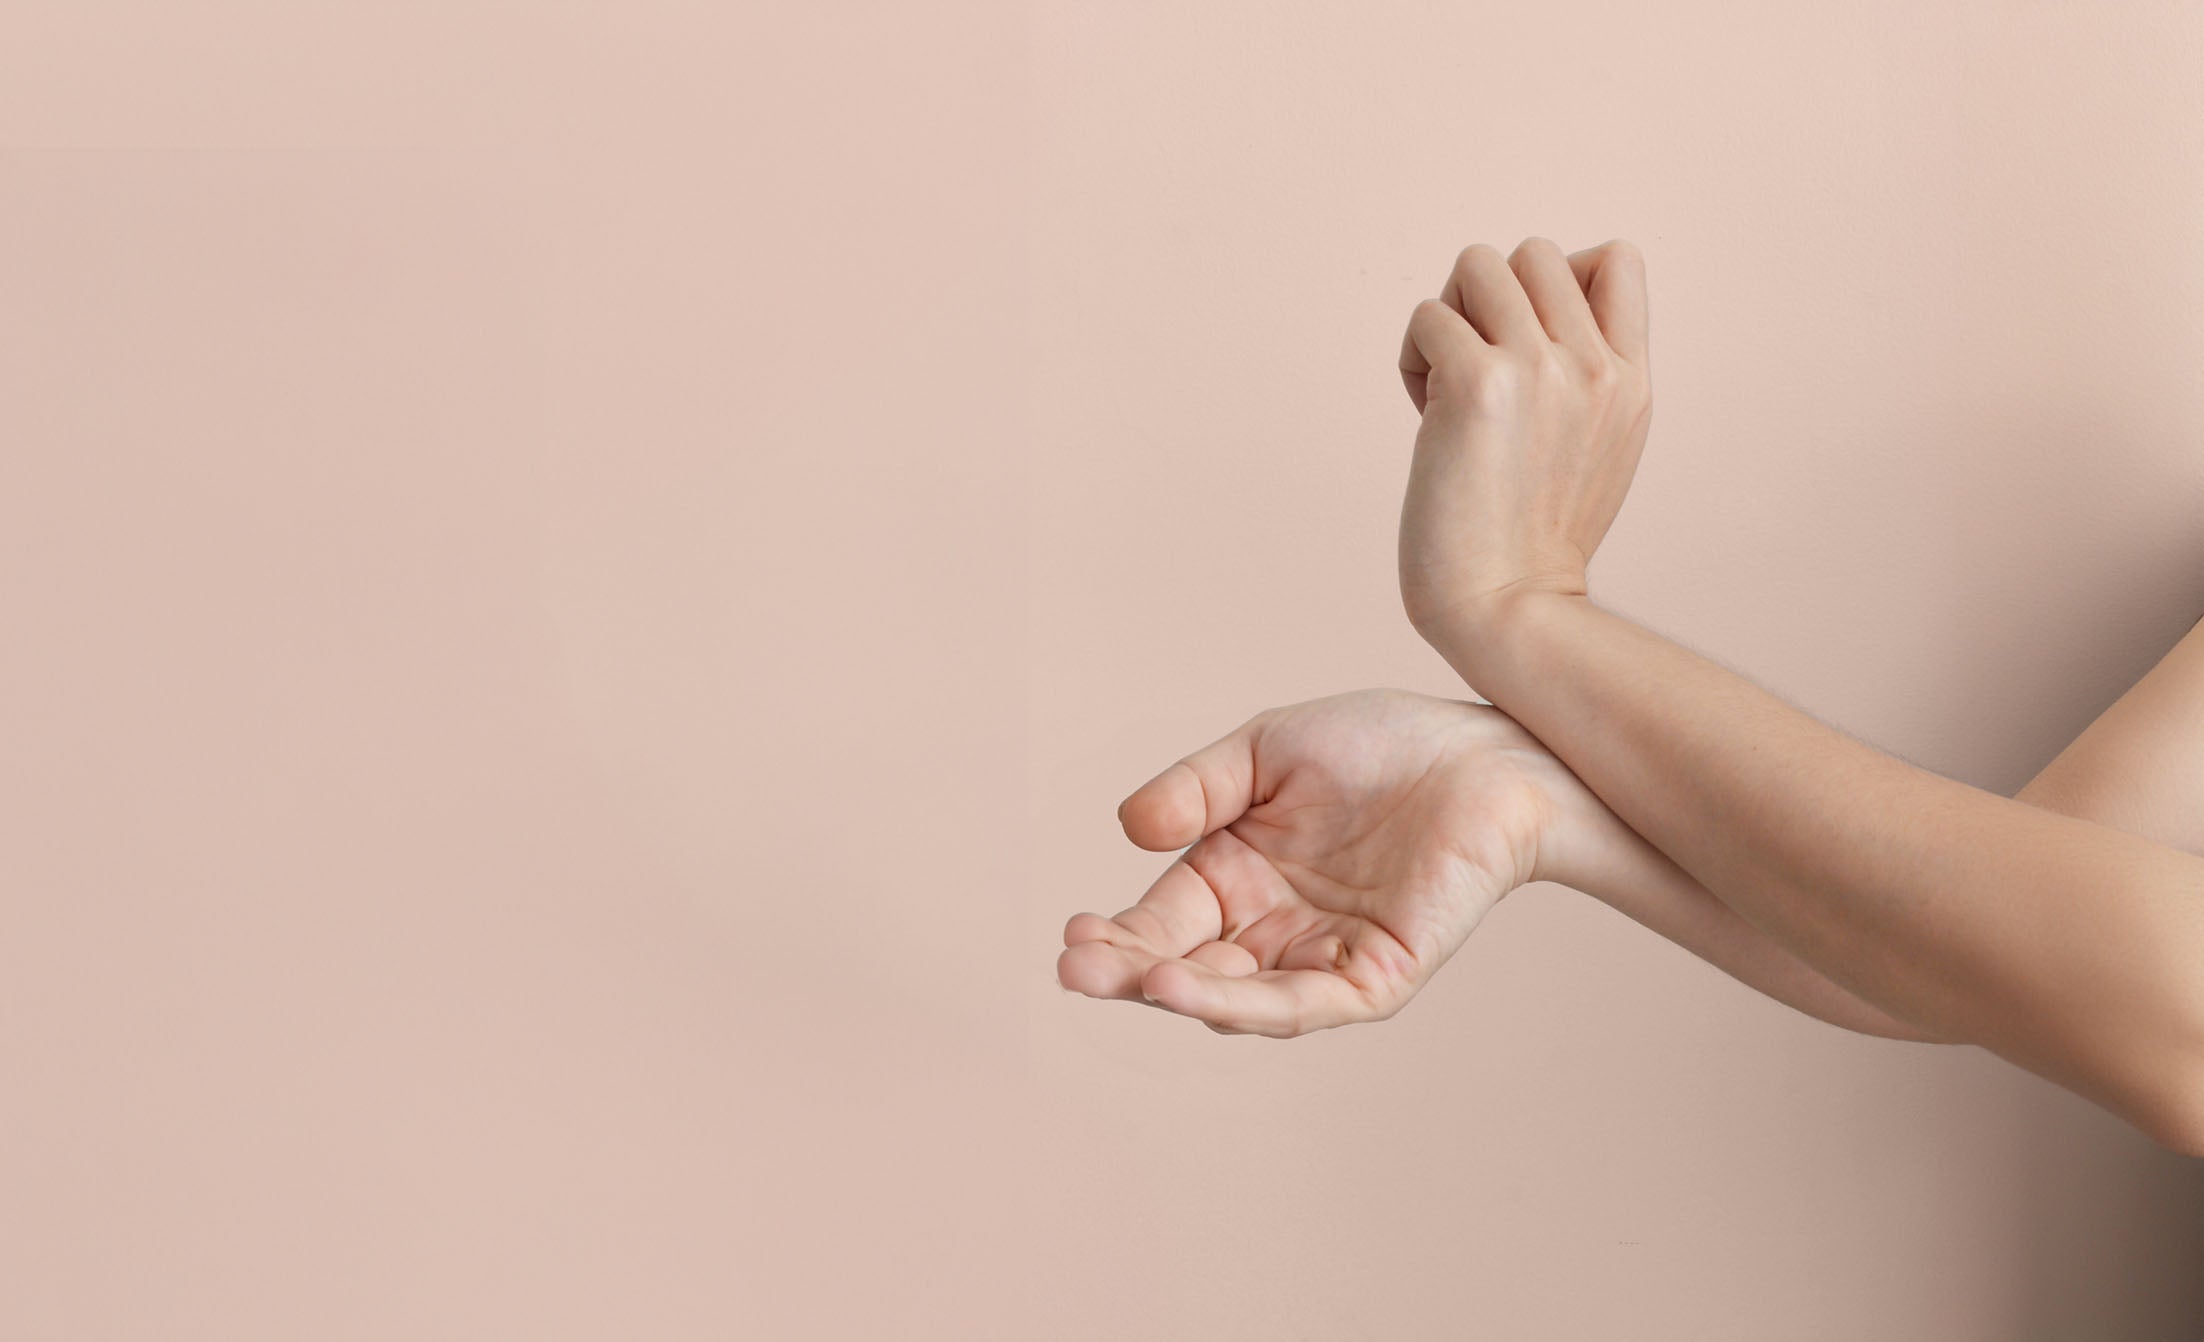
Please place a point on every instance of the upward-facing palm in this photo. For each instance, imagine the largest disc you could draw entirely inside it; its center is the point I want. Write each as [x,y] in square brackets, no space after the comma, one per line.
[1342,849]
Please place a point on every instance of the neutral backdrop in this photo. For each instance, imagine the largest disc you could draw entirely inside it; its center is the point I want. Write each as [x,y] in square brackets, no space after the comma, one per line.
[580,583]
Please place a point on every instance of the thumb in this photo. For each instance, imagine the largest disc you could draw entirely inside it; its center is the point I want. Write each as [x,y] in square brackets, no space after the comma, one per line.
[1199,795]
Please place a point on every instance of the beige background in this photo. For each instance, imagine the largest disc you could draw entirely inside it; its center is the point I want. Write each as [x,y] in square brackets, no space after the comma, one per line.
[580,583]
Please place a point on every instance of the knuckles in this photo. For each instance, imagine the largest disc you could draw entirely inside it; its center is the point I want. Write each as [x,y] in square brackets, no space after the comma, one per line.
[1462,375]
[1622,249]
[1533,246]
[1497,379]
[1501,380]
[1477,254]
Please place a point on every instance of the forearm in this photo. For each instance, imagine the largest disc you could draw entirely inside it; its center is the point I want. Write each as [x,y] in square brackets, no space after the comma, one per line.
[2070,948]
[2140,765]
[1637,880]
[1585,847]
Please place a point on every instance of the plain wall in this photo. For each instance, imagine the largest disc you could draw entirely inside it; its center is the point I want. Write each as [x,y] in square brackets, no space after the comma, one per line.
[581,582]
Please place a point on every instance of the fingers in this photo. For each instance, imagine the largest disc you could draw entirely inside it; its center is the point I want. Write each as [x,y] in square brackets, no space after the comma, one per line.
[1228,958]
[1180,915]
[1491,298]
[1196,909]
[1554,293]
[1612,276]
[1099,961]
[1200,794]
[1217,889]
[1436,335]
[1179,912]
[1100,968]
[1276,1002]
[1584,300]
[1219,984]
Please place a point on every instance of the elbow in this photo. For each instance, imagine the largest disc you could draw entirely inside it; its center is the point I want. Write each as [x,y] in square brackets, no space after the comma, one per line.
[2173,1115]
[1911,1033]
[2176,1120]
[2169,1104]
[2183,1134]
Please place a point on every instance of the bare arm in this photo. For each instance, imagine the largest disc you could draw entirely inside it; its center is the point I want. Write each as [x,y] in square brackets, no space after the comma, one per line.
[1637,880]
[2071,948]
[2139,767]
[1587,848]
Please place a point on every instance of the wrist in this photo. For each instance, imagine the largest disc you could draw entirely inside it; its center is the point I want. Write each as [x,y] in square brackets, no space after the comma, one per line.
[1575,837]
[1539,823]
[1475,635]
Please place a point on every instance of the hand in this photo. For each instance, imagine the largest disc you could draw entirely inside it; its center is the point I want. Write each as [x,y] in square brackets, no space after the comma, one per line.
[1531,377]
[1342,849]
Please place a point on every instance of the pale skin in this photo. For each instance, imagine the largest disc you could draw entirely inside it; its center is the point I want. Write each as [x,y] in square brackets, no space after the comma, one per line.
[1338,852]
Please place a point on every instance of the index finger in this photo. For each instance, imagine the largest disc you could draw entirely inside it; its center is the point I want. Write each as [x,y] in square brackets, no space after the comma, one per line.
[1613,277]
[1435,331]
[1280,1003]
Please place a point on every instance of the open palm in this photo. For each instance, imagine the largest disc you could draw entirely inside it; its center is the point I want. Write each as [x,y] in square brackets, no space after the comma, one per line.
[1341,850]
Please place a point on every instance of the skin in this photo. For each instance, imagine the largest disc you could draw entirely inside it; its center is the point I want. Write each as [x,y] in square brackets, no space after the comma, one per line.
[1346,848]
[1339,851]
[2140,766]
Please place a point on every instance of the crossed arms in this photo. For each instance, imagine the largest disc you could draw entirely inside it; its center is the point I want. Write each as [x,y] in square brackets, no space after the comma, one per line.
[1337,853]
